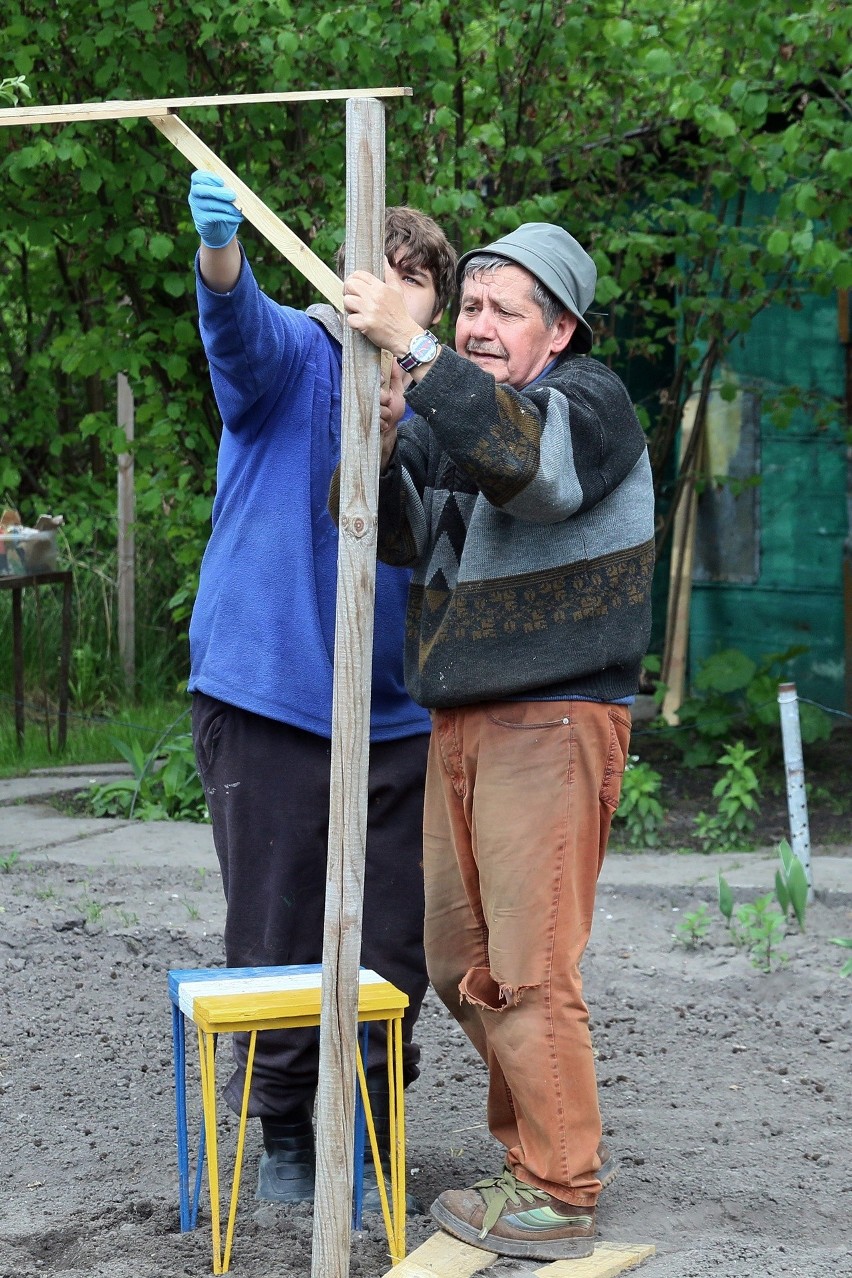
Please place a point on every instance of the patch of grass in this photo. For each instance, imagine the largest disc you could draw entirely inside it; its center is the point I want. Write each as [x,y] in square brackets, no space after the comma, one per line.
[91,739]
[92,909]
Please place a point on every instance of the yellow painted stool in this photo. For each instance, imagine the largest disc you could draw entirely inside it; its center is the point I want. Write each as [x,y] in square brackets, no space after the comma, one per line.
[227,1000]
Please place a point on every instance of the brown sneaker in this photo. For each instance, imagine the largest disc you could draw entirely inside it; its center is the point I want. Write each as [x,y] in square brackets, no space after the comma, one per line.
[506,1216]
[608,1170]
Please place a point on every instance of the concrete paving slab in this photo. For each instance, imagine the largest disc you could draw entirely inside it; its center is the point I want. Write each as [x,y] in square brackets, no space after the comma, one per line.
[21,789]
[41,834]
[84,770]
[35,827]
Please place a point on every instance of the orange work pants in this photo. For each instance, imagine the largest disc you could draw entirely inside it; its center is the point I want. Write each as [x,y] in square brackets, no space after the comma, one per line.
[519,801]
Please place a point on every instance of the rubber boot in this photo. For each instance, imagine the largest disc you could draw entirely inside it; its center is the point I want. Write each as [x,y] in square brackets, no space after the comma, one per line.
[288,1163]
[379,1094]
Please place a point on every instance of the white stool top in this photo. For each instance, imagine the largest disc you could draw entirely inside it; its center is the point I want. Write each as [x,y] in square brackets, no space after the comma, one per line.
[186,986]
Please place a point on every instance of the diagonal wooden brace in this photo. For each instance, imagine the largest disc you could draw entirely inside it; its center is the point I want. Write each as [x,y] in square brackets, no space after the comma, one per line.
[253,208]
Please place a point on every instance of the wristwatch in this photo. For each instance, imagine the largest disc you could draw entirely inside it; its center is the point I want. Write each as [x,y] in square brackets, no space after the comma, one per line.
[422,349]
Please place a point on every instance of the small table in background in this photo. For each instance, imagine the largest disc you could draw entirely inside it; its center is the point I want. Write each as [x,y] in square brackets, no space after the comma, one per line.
[16,584]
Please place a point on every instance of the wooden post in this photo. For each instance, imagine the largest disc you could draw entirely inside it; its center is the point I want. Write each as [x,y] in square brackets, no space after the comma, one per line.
[126,538]
[676,643]
[350,742]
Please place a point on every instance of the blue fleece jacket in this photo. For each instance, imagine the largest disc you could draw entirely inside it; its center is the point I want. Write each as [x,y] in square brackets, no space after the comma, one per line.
[262,629]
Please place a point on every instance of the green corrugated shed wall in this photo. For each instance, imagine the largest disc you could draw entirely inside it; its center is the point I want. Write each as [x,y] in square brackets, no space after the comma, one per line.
[797,597]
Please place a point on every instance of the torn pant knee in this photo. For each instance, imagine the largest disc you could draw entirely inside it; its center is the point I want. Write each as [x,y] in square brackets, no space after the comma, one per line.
[480,988]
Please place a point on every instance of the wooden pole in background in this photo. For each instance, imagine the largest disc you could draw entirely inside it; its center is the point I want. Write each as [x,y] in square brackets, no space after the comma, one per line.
[350,742]
[126,538]
[676,645]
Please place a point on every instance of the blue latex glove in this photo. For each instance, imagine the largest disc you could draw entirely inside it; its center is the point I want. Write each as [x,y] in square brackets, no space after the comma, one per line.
[214,213]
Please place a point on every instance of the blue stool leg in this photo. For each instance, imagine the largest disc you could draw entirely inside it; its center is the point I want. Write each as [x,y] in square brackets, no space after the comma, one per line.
[360,1138]
[179,1045]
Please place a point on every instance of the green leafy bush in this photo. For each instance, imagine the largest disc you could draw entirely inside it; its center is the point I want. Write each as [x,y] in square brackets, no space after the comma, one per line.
[732,826]
[640,810]
[165,785]
[756,924]
[731,689]
[761,927]
[693,928]
[13,88]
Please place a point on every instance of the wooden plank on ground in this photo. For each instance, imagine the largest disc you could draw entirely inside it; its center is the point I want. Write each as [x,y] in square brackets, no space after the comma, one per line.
[608,1260]
[68,112]
[444,1257]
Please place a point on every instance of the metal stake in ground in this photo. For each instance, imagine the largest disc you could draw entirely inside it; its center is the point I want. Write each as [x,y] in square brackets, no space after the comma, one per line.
[350,742]
[794,766]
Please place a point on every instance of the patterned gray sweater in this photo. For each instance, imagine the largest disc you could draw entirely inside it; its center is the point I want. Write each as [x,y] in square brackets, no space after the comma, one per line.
[528,520]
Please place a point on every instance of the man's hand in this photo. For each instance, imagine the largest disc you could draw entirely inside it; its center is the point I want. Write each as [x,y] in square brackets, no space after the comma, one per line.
[378,311]
[392,407]
[214,213]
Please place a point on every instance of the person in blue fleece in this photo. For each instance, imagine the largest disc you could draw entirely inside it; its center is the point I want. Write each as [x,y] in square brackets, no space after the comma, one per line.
[261,647]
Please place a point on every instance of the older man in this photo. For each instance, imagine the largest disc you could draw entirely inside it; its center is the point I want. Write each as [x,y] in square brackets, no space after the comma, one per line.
[521,496]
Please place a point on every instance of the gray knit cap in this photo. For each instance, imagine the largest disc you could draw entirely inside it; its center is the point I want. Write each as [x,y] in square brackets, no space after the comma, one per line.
[553,256]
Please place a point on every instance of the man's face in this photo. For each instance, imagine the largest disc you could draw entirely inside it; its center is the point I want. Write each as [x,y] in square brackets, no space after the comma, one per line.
[501,328]
[418,289]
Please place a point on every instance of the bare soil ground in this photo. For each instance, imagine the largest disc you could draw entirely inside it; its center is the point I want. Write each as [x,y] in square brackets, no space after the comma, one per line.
[725,1092]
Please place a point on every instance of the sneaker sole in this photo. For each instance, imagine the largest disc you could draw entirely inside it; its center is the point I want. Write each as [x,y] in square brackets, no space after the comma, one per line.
[556,1249]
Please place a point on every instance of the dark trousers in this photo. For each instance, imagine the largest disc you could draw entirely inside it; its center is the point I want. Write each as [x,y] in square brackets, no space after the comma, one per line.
[267,787]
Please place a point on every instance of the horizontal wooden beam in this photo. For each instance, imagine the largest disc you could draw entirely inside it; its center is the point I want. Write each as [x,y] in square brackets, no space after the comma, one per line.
[253,209]
[66,114]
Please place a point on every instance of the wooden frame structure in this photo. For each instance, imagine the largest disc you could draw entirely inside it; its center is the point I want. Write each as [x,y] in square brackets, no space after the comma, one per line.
[365,193]
[162,113]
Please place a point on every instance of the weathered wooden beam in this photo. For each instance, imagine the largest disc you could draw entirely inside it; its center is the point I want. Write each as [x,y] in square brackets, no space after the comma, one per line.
[67,113]
[684,529]
[126,537]
[253,208]
[350,741]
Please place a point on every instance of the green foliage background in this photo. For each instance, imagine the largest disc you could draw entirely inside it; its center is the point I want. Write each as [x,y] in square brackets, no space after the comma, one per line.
[702,152]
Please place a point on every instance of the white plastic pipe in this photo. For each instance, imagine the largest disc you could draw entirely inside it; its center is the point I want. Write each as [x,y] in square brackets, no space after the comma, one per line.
[797,798]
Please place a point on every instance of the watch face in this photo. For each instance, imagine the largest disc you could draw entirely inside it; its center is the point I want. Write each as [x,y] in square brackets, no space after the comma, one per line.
[423,347]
